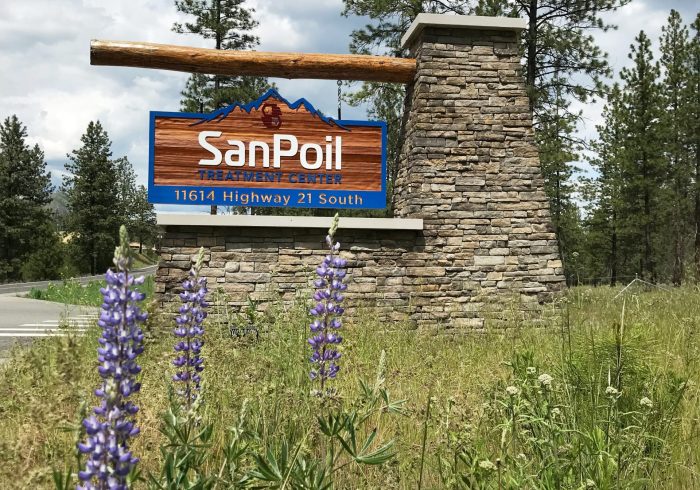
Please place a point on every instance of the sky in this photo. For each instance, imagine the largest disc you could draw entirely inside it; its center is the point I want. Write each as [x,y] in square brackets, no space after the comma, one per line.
[47,81]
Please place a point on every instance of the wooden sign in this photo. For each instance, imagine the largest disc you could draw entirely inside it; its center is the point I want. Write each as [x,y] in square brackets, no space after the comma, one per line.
[267,153]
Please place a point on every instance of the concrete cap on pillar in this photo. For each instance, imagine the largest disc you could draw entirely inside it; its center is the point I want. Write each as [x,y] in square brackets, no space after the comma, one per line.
[449,21]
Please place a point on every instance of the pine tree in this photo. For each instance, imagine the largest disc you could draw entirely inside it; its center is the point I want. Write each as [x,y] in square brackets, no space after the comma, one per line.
[692,99]
[228,23]
[643,169]
[25,191]
[605,191]
[386,104]
[673,127]
[557,150]
[142,218]
[126,190]
[93,200]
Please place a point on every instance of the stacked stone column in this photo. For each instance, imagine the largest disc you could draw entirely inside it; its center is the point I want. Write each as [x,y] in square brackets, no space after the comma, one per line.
[470,169]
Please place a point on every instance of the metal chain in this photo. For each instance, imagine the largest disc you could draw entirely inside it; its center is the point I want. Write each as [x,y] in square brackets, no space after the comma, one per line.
[340,83]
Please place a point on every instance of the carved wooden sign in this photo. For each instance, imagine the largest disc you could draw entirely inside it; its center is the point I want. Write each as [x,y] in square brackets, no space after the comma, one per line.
[267,153]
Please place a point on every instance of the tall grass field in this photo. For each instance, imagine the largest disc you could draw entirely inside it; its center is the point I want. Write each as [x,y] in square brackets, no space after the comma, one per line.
[605,395]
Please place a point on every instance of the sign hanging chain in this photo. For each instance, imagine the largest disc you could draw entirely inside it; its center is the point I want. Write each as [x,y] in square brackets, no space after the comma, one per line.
[340,83]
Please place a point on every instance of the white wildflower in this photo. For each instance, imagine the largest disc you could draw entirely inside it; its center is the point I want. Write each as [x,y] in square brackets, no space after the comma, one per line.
[646,402]
[487,465]
[545,379]
[611,391]
[556,412]
[531,370]
[512,390]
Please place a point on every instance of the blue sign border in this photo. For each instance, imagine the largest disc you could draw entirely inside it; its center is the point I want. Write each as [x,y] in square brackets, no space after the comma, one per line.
[214,195]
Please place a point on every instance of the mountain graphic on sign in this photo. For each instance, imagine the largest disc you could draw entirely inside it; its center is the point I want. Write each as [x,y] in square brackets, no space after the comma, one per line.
[221,114]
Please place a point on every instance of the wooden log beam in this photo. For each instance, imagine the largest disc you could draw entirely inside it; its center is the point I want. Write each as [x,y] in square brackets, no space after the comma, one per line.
[255,63]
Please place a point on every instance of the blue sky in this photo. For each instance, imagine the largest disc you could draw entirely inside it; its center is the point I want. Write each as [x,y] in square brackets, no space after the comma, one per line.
[48,82]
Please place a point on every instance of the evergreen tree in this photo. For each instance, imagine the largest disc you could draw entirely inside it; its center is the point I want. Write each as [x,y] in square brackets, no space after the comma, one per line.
[386,105]
[47,257]
[604,193]
[557,150]
[135,212]
[25,191]
[643,169]
[93,201]
[561,56]
[673,126]
[692,99]
[142,218]
[126,191]
[228,23]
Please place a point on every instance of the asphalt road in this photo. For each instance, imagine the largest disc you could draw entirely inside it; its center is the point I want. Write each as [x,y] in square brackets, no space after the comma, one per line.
[23,319]
[25,287]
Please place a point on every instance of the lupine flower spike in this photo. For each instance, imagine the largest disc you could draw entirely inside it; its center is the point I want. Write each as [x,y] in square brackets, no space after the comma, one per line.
[327,311]
[111,427]
[190,331]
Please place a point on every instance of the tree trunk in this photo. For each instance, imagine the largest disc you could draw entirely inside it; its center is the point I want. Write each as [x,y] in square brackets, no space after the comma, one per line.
[648,261]
[697,211]
[613,252]
[532,51]
[697,178]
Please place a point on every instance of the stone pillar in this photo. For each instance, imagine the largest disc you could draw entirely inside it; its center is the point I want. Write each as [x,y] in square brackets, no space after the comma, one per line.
[470,169]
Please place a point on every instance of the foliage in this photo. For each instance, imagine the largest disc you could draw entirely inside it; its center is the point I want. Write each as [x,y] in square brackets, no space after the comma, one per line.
[46,260]
[109,461]
[327,312]
[640,217]
[135,212]
[257,394]
[189,332]
[576,429]
[72,292]
[692,97]
[101,194]
[142,218]
[673,123]
[25,191]
[93,200]
[228,23]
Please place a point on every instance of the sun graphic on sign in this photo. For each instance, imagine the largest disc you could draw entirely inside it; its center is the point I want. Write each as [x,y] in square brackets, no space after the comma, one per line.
[271,115]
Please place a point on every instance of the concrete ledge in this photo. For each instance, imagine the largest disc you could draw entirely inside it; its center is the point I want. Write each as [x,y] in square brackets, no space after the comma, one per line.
[461,22]
[165,219]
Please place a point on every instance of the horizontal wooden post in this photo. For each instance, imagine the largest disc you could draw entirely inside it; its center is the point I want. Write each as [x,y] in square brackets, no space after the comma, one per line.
[255,63]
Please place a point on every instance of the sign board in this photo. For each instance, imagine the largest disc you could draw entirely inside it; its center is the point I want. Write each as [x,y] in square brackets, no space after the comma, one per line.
[267,153]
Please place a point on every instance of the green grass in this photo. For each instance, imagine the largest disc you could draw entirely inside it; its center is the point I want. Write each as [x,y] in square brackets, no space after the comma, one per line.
[653,346]
[141,260]
[73,293]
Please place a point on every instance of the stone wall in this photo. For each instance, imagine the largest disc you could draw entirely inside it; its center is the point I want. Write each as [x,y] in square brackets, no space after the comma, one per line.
[269,264]
[387,270]
[469,169]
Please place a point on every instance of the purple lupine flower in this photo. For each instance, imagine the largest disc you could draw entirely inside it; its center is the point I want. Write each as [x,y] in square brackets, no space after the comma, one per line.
[109,430]
[189,331]
[327,311]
